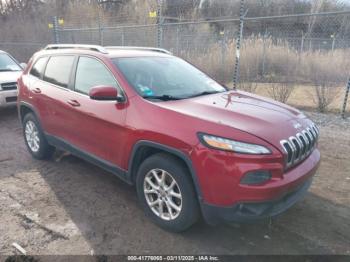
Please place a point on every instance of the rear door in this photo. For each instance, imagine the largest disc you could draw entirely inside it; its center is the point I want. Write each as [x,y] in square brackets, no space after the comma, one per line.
[96,127]
[35,86]
[54,93]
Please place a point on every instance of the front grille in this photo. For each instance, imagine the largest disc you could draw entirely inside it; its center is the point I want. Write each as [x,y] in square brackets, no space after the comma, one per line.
[300,146]
[9,86]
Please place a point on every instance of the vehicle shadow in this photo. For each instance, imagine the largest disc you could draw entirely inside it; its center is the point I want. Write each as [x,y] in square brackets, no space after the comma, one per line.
[8,114]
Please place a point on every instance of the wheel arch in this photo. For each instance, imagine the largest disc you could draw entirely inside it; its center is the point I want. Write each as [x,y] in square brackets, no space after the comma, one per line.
[144,149]
[25,108]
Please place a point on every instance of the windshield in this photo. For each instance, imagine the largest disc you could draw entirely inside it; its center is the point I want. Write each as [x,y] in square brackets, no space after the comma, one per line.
[169,78]
[8,64]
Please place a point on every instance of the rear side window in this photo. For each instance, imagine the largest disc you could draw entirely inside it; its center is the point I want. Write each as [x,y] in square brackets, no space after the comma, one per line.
[91,73]
[58,70]
[38,68]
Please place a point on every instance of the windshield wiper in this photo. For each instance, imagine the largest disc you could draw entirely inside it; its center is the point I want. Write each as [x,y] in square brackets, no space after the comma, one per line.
[163,97]
[206,93]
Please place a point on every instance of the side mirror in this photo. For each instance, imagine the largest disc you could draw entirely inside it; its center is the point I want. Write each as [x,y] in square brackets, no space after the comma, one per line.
[105,93]
[23,65]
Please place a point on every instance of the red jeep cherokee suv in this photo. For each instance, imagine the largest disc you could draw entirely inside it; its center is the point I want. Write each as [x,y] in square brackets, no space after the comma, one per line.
[191,146]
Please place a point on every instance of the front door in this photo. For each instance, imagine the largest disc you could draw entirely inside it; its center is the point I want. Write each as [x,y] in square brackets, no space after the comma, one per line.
[98,126]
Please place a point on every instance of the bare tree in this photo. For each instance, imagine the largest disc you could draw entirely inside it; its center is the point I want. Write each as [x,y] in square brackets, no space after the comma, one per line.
[281,91]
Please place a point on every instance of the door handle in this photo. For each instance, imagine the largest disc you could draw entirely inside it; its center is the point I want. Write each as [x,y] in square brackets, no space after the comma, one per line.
[74,103]
[37,90]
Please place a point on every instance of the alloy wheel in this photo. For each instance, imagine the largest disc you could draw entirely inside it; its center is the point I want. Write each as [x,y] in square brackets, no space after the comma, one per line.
[32,136]
[163,194]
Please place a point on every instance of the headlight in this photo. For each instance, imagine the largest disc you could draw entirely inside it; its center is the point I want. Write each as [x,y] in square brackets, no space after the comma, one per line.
[234,146]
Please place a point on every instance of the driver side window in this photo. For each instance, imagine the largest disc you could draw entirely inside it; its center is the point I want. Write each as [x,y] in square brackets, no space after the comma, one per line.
[91,73]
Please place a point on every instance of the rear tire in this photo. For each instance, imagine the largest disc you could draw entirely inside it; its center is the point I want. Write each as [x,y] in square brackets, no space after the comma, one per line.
[35,139]
[166,192]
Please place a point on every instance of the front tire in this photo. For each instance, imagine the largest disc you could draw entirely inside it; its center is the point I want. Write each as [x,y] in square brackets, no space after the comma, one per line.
[35,139]
[166,193]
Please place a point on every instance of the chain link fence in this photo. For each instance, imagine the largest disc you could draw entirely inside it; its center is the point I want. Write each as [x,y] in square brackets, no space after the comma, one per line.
[299,59]
[22,51]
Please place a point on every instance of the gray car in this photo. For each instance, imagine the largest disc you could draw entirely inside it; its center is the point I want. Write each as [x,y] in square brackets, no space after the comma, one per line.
[10,71]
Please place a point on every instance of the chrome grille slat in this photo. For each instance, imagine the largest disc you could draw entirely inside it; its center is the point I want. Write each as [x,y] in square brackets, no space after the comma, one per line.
[309,139]
[314,127]
[303,142]
[313,138]
[300,146]
[307,143]
[294,150]
[288,150]
[297,148]
[313,133]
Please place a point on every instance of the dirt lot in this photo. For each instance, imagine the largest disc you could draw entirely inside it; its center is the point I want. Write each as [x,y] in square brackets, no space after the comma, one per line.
[68,206]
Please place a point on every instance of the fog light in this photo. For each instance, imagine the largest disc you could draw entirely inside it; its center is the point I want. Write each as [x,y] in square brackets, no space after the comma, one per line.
[256,177]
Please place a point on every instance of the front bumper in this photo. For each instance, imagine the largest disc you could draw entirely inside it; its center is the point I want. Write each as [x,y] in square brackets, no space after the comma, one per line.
[268,200]
[252,212]
[8,98]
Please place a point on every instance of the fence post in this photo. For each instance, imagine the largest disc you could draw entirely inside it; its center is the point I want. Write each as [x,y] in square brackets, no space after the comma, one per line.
[238,45]
[302,42]
[159,23]
[333,44]
[177,39]
[100,28]
[223,45]
[346,99]
[55,30]
[264,55]
[123,37]
[310,44]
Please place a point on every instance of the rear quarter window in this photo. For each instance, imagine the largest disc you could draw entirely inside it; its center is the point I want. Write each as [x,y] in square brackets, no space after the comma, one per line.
[58,70]
[38,68]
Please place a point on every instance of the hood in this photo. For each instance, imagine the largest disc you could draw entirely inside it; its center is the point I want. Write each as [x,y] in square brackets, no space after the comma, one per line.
[9,77]
[265,118]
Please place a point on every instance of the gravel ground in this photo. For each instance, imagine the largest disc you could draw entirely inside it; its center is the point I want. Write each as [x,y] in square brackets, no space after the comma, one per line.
[67,206]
